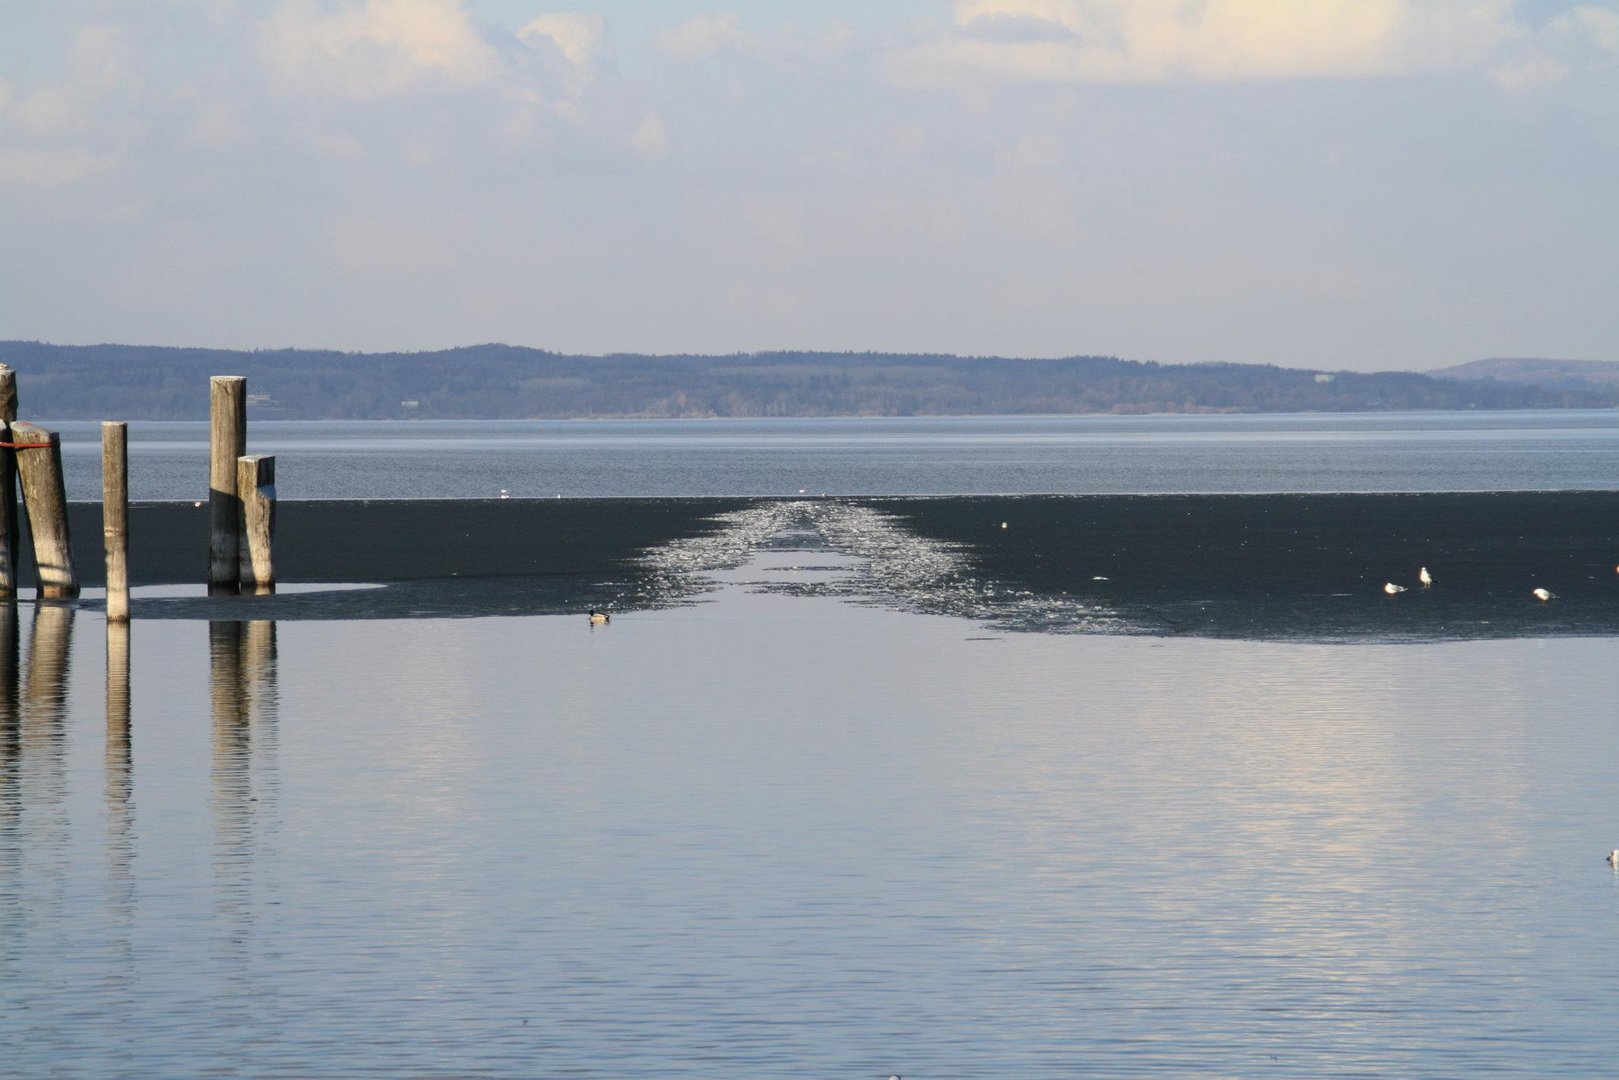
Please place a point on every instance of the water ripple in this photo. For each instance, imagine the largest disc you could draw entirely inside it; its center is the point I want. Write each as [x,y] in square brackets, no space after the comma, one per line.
[897,567]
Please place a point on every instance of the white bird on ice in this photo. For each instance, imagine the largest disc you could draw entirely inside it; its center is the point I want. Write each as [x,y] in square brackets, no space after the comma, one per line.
[1544,595]
[1393,589]
[1425,577]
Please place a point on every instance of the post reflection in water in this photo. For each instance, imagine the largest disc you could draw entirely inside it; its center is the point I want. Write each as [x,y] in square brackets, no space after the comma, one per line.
[34,826]
[10,736]
[11,898]
[44,695]
[10,753]
[243,693]
[119,772]
[42,739]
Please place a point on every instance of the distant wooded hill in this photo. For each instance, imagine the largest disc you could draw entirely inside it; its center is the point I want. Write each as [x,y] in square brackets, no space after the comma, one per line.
[1548,374]
[507,382]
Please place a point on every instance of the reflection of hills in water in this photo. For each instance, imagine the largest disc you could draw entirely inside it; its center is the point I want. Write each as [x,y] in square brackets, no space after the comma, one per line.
[1300,567]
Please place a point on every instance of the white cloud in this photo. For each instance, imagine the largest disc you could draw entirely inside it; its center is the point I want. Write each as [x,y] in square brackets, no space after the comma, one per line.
[375,247]
[1529,73]
[99,67]
[1125,41]
[218,123]
[577,36]
[377,49]
[706,35]
[1575,38]
[777,222]
[51,167]
[649,139]
[51,110]
[1599,26]
[102,60]
[335,146]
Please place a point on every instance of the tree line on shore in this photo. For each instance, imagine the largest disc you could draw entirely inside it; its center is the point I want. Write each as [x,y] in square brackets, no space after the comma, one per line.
[510,382]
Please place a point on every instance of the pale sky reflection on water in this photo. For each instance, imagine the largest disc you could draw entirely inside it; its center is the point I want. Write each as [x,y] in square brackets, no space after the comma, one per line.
[790,834]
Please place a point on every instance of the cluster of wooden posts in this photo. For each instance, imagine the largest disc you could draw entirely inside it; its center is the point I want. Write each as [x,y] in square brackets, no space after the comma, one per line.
[241,501]
[241,496]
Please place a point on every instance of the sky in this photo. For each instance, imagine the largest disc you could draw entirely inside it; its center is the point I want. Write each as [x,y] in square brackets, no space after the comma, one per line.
[1337,184]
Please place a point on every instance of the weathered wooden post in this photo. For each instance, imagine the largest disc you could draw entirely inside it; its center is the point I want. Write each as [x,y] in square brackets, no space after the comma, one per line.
[39,468]
[115,516]
[8,484]
[255,488]
[227,441]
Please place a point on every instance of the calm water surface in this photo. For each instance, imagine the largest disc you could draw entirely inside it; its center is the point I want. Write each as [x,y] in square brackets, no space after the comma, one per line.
[790,835]
[1545,450]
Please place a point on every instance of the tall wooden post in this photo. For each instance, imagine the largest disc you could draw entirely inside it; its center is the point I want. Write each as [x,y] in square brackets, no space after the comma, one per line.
[115,516]
[8,484]
[255,489]
[227,399]
[39,468]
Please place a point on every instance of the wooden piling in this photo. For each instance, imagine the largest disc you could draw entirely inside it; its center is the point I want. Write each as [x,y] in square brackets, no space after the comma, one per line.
[39,468]
[227,399]
[8,484]
[255,489]
[115,516]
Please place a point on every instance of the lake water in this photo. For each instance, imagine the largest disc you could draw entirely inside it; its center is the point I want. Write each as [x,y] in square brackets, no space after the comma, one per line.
[788,831]
[783,835]
[1546,450]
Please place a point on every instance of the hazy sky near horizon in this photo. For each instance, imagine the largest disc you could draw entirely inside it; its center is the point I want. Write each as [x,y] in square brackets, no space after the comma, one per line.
[1361,184]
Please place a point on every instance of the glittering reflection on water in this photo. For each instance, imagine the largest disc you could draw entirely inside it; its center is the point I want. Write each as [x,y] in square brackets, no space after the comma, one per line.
[896,567]
[779,834]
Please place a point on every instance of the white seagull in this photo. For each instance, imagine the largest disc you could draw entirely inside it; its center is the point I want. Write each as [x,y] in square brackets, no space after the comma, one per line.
[1393,589]
[1425,577]
[1613,858]
[1544,595]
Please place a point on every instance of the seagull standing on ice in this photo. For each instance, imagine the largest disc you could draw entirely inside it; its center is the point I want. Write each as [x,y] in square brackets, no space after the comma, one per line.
[1425,577]
[1393,589]
[1544,595]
